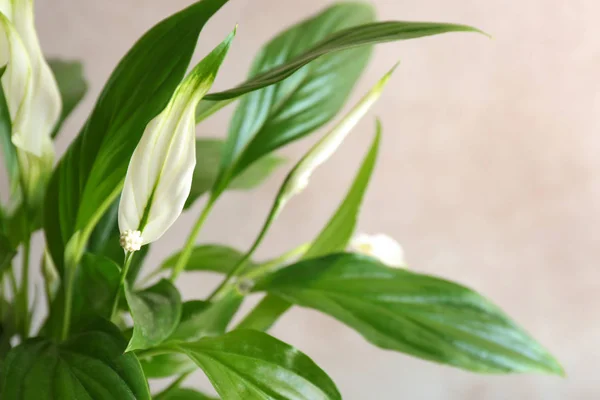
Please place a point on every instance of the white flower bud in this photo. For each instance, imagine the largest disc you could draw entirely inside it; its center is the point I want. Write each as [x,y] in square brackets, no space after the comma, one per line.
[131,241]
[159,176]
[379,246]
[299,177]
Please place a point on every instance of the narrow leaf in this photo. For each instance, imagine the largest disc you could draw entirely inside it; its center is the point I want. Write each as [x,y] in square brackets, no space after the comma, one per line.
[210,257]
[156,312]
[253,365]
[420,315]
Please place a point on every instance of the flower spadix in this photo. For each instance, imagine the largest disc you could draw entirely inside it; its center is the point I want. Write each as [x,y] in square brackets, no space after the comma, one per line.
[299,177]
[159,176]
[379,246]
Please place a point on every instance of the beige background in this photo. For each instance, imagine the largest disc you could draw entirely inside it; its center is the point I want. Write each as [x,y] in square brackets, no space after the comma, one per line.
[488,174]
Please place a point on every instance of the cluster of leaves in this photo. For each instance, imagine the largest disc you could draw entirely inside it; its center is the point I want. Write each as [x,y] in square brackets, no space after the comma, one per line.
[299,82]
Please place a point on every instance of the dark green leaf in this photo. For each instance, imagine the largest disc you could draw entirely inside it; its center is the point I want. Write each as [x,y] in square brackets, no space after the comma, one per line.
[367,34]
[338,231]
[71,84]
[201,318]
[90,175]
[251,365]
[89,366]
[184,394]
[208,155]
[268,119]
[95,287]
[165,365]
[210,257]
[156,312]
[7,252]
[420,315]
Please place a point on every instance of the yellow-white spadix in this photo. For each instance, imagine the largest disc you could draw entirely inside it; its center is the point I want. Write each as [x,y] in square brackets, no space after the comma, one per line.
[159,176]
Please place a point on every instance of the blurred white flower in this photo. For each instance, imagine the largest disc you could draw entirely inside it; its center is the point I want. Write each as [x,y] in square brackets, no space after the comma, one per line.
[159,176]
[379,246]
[299,177]
[31,91]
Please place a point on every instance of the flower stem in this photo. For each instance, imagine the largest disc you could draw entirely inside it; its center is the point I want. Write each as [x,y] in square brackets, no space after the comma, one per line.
[124,270]
[184,257]
[24,293]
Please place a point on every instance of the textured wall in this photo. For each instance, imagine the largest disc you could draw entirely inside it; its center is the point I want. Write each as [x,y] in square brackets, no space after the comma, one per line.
[488,173]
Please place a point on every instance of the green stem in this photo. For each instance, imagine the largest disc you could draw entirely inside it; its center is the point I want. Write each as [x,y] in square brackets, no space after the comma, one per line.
[184,257]
[24,293]
[69,281]
[124,271]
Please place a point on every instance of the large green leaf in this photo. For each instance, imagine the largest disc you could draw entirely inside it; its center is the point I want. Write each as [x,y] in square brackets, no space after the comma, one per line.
[89,366]
[208,154]
[90,175]
[251,365]
[209,257]
[96,284]
[421,315]
[184,394]
[165,365]
[71,84]
[156,312]
[268,119]
[202,318]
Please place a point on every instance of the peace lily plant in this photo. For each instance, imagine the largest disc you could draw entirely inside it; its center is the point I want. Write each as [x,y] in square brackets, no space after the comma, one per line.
[137,164]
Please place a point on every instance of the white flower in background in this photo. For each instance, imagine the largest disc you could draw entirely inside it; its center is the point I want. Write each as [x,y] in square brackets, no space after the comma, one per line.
[299,177]
[379,246]
[159,176]
[31,91]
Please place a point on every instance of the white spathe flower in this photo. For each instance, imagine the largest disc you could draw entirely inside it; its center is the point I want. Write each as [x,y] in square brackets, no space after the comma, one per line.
[299,178]
[31,91]
[379,246]
[159,176]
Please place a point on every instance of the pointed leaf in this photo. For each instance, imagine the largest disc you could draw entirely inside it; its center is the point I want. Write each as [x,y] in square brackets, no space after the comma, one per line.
[253,365]
[420,315]
[90,175]
[156,312]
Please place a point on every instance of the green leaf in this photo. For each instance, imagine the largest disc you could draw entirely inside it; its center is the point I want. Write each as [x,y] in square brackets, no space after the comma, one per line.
[338,231]
[96,284]
[208,155]
[9,151]
[156,312]
[210,257]
[265,314]
[90,175]
[71,84]
[366,34]
[7,252]
[268,119]
[89,366]
[201,318]
[166,365]
[253,365]
[184,394]
[420,315]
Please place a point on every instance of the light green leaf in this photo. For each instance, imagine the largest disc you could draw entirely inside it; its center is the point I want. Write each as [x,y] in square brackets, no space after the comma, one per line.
[420,315]
[156,312]
[89,366]
[166,365]
[268,119]
[208,155]
[90,175]
[253,365]
[71,84]
[9,151]
[338,231]
[201,318]
[209,257]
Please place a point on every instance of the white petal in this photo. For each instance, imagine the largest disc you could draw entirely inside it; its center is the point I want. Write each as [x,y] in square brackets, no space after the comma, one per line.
[379,246]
